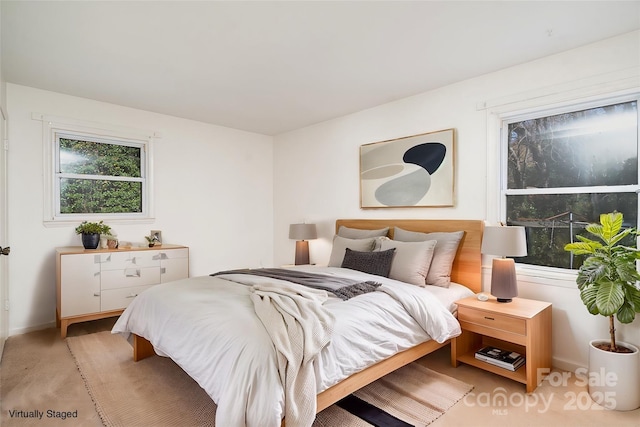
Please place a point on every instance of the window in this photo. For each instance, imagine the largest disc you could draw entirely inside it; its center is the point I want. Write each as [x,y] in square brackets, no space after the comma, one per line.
[96,172]
[566,167]
[98,175]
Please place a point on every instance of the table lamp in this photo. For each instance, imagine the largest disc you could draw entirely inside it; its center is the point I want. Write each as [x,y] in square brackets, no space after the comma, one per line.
[504,241]
[302,233]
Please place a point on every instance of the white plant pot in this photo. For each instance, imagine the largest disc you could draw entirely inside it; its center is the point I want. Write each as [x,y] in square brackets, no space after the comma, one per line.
[614,378]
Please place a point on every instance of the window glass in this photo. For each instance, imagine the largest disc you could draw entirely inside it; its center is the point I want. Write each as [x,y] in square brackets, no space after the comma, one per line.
[96,158]
[99,196]
[99,176]
[597,146]
[564,170]
[553,220]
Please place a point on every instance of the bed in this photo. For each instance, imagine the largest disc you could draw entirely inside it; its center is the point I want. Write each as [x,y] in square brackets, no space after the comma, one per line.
[337,371]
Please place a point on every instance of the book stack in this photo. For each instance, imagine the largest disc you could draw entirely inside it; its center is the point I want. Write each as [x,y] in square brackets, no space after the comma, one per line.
[503,358]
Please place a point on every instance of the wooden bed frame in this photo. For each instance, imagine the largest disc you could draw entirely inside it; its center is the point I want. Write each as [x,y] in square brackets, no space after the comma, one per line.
[466,271]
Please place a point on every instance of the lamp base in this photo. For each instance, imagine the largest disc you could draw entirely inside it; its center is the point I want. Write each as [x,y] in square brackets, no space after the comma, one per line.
[302,252]
[504,285]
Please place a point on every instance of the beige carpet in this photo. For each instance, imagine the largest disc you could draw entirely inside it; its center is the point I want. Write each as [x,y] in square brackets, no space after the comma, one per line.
[156,392]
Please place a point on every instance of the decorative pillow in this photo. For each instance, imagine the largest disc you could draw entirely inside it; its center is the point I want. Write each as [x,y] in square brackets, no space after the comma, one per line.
[356,233]
[411,260]
[340,244]
[445,252]
[378,262]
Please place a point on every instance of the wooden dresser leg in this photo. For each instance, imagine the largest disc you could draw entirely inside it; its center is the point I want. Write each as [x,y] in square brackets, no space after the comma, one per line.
[64,324]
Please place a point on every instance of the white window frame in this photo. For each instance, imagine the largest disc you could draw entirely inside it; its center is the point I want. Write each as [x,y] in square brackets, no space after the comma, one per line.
[54,128]
[609,86]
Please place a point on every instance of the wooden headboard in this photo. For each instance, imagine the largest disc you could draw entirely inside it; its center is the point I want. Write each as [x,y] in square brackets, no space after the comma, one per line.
[467,267]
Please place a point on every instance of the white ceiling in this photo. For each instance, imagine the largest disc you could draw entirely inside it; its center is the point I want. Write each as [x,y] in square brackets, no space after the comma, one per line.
[270,67]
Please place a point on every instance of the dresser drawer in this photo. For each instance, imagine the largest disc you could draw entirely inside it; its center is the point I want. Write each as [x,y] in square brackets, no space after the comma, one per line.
[492,320]
[132,276]
[171,253]
[125,260]
[116,299]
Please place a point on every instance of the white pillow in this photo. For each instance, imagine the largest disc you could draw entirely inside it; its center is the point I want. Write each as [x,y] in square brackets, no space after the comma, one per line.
[411,260]
[340,245]
[443,256]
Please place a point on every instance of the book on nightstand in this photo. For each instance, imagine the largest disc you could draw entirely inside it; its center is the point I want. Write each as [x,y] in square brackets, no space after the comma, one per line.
[503,358]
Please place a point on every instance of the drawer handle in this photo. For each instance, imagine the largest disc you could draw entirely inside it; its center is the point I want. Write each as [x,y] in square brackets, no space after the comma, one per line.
[98,259]
[132,272]
[96,294]
[489,318]
[132,295]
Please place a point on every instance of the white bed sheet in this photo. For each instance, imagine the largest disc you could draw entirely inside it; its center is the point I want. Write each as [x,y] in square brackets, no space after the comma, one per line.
[208,327]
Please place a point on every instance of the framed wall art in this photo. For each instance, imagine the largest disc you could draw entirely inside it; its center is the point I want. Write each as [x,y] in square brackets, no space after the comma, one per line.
[414,171]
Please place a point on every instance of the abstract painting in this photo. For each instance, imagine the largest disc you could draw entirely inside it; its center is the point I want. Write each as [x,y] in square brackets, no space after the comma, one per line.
[414,171]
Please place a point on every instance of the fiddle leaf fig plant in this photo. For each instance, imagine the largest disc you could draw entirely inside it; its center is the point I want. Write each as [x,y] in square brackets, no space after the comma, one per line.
[608,278]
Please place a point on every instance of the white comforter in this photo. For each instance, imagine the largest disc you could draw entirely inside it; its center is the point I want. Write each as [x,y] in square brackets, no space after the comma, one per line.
[209,327]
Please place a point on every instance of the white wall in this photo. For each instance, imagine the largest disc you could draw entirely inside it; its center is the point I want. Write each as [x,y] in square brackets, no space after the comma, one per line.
[213,193]
[317,168]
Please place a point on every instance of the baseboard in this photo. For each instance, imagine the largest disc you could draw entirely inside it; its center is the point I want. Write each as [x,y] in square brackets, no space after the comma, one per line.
[20,331]
[566,365]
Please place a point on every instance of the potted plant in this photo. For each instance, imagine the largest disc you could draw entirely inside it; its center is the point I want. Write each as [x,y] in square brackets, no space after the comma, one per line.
[91,232]
[151,240]
[608,284]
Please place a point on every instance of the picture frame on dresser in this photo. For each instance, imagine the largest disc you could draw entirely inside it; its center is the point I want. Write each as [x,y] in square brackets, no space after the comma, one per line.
[97,284]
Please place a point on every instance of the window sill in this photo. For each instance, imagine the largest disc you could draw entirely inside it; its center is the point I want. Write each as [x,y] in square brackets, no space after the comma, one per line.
[547,276]
[111,221]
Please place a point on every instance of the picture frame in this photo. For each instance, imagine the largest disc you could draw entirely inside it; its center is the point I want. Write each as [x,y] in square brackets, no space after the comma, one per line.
[158,236]
[412,171]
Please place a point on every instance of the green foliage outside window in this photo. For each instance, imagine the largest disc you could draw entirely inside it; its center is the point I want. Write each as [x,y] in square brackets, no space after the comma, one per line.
[98,177]
[553,163]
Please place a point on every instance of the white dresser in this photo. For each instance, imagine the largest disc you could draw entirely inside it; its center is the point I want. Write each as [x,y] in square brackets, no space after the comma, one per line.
[97,283]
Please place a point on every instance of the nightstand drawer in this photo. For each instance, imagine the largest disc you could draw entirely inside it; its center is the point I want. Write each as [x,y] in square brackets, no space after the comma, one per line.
[493,320]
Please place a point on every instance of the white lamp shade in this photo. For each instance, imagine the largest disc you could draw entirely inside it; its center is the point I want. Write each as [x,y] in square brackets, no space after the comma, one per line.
[303,232]
[504,241]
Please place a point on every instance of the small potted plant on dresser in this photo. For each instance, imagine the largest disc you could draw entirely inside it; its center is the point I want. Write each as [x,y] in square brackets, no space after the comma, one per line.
[90,232]
[608,284]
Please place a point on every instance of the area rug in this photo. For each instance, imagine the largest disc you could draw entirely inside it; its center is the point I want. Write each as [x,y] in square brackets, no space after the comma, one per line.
[156,392]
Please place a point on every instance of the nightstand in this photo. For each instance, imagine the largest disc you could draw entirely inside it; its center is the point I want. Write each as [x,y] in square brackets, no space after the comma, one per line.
[522,325]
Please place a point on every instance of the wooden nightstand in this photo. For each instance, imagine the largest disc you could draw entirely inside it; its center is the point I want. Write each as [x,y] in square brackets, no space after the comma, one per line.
[522,325]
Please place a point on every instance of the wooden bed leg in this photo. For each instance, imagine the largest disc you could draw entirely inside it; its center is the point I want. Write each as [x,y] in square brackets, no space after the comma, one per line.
[141,348]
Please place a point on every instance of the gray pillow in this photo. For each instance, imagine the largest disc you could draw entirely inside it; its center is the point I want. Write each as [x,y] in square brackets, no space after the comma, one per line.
[340,244]
[411,260]
[356,233]
[440,271]
[378,262]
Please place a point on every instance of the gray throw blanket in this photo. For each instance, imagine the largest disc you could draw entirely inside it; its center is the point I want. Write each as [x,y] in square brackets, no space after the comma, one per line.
[342,287]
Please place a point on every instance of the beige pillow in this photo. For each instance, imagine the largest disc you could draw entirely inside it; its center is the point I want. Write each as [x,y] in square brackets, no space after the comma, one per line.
[340,245]
[410,261]
[356,233]
[440,271]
